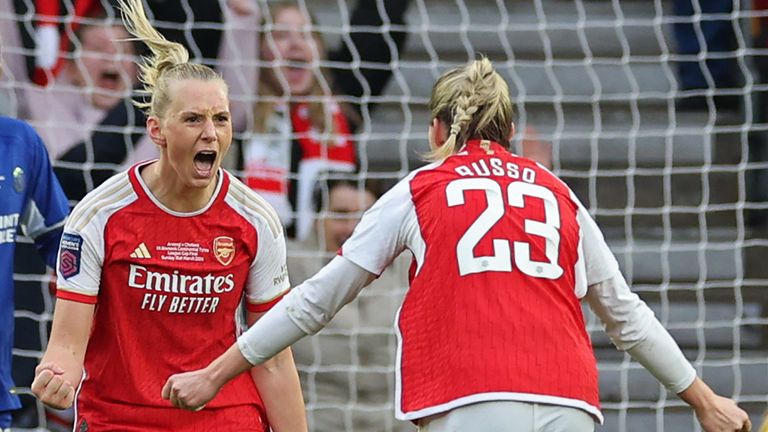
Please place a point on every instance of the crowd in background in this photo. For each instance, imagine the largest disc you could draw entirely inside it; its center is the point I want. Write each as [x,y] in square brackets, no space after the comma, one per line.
[296,140]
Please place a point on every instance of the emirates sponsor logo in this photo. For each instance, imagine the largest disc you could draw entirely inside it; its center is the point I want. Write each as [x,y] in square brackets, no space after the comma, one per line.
[176,282]
[224,249]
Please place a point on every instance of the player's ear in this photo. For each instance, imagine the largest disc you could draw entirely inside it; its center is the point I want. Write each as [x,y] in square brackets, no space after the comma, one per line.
[438,133]
[155,131]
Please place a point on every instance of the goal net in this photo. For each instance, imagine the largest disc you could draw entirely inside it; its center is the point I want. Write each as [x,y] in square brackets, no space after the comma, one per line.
[651,111]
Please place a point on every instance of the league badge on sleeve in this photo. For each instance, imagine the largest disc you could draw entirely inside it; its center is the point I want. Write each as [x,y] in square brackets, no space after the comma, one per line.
[69,255]
[224,249]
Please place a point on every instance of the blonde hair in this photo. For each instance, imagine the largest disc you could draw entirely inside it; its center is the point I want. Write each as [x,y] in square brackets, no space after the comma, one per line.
[474,100]
[320,114]
[168,62]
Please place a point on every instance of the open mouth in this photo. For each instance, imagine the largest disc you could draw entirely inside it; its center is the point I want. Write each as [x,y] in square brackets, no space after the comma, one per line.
[204,161]
[109,79]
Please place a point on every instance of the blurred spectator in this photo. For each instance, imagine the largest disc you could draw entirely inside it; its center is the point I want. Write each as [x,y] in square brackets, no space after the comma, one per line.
[720,70]
[347,370]
[299,126]
[49,42]
[100,73]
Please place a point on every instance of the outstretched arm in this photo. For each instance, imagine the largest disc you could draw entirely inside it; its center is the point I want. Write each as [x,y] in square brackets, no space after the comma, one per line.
[633,328]
[305,310]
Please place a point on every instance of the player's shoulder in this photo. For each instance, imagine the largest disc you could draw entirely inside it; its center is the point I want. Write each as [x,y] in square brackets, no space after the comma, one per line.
[18,132]
[427,172]
[112,195]
[251,205]
[12,126]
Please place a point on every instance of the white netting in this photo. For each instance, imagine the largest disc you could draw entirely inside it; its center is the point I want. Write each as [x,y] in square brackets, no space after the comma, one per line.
[674,175]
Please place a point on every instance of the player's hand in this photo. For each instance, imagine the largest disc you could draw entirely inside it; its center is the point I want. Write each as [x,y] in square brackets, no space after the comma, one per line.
[51,388]
[190,390]
[723,415]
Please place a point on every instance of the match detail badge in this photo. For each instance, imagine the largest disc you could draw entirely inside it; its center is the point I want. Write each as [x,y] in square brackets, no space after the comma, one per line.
[224,249]
[69,255]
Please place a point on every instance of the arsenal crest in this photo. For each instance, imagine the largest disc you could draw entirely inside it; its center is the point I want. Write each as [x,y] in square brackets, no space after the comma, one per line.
[224,249]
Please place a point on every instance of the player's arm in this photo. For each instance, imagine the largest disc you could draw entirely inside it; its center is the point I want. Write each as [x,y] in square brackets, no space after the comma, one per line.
[303,311]
[633,328]
[78,280]
[278,382]
[60,371]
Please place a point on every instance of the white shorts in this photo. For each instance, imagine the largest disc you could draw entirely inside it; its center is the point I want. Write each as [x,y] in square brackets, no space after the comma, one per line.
[510,416]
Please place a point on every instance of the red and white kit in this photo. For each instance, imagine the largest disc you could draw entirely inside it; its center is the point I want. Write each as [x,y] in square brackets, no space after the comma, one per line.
[503,252]
[167,287]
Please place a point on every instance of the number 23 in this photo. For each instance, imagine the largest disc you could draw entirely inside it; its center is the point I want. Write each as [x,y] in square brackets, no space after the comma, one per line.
[500,260]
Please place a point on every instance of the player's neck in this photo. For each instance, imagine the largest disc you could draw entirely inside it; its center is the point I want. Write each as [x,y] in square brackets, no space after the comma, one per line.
[166,187]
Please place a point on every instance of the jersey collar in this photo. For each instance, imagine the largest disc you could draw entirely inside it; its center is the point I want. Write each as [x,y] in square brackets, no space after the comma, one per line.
[141,188]
[478,145]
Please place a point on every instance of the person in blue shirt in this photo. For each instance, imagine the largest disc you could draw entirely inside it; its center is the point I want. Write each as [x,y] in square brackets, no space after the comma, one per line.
[31,199]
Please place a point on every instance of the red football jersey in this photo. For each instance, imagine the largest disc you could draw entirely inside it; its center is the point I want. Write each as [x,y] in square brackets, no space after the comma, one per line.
[167,288]
[503,252]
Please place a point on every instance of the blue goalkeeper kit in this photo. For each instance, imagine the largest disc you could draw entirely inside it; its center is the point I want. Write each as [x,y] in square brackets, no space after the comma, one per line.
[30,199]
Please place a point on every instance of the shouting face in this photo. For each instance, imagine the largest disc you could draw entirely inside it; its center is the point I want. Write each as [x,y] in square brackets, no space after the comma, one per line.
[195,131]
[106,64]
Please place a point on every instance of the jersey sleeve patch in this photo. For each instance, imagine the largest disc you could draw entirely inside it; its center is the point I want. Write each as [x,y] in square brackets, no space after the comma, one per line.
[70,254]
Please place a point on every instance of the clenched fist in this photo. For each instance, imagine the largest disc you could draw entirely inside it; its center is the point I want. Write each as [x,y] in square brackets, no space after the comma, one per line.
[51,387]
[191,390]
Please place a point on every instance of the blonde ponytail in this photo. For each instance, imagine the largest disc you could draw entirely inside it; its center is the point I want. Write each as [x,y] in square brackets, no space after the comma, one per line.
[169,60]
[475,101]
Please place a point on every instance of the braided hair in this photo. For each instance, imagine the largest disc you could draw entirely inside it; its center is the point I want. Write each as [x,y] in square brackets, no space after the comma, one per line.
[474,100]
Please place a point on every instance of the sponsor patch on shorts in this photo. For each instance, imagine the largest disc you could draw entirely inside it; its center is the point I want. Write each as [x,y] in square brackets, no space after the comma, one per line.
[69,255]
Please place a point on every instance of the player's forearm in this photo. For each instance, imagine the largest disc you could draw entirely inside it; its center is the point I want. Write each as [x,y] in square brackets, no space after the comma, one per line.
[633,328]
[66,348]
[304,310]
[314,303]
[661,356]
[278,384]
[227,366]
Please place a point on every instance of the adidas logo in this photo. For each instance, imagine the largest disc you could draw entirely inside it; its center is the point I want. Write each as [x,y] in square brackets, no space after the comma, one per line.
[141,252]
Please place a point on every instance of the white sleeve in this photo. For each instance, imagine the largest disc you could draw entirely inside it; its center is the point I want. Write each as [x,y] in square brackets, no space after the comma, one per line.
[383,231]
[268,275]
[79,264]
[305,310]
[632,327]
[600,264]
